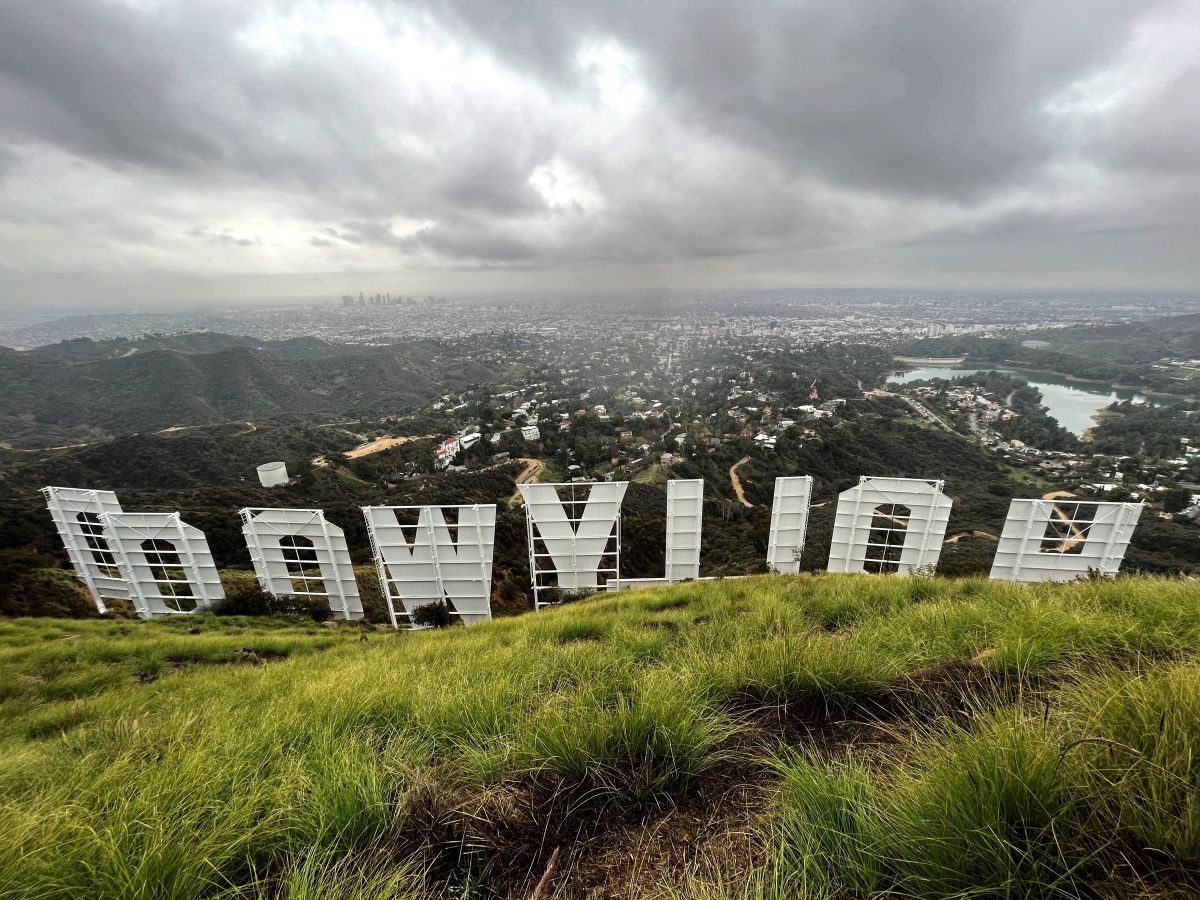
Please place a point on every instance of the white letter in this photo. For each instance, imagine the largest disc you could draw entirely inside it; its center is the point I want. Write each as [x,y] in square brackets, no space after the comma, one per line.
[576,543]
[789,523]
[77,516]
[424,563]
[685,515]
[1057,540]
[874,514]
[297,552]
[166,561]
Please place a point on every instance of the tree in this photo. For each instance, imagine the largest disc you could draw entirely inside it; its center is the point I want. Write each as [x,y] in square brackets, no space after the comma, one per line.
[1176,500]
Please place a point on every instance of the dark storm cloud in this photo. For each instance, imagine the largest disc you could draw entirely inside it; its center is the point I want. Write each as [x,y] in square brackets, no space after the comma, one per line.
[439,134]
[937,97]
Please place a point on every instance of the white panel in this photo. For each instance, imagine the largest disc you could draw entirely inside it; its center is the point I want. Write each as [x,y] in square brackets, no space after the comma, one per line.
[1061,540]
[904,543]
[166,562]
[789,523]
[427,562]
[624,584]
[298,552]
[575,543]
[685,514]
[77,516]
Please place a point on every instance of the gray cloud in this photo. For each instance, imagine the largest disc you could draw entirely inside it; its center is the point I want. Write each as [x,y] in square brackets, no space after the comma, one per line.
[437,137]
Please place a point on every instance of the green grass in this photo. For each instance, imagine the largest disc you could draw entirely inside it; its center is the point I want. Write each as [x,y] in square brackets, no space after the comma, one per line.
[901,737]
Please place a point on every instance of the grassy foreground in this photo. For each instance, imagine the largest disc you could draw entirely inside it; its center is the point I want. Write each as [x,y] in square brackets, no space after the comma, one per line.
[769,737]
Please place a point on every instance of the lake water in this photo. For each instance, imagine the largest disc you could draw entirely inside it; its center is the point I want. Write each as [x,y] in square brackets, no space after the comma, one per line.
[1073,403]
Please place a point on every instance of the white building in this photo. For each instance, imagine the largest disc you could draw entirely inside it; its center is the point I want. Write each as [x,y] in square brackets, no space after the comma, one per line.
[272,474]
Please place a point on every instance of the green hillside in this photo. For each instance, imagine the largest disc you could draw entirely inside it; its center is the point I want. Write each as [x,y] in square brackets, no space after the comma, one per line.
[82,391]
[1116,354]
[772,737]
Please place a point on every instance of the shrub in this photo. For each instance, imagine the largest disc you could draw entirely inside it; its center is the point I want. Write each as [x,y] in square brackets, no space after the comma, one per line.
[247,598]
[432,615]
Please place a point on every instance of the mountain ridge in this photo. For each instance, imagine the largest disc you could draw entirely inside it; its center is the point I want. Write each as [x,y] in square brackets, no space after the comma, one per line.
[82,393]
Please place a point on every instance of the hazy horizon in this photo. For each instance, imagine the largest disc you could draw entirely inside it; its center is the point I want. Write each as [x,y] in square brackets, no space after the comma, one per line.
[166,154]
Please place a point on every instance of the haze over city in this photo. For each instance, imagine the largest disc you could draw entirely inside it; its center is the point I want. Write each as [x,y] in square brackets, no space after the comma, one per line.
[169,153]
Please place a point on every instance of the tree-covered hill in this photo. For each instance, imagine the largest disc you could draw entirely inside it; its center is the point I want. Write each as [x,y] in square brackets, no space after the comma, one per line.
[1116,354]
[79,391]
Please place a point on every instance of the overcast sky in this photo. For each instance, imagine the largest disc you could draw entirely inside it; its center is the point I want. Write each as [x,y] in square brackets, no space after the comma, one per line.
[212,150]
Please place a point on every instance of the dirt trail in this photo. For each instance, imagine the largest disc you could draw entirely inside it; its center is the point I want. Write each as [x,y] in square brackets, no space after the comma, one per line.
[1055,495]
[954,539]
[737,483]
[532,472]
[1077,535]
[368,447]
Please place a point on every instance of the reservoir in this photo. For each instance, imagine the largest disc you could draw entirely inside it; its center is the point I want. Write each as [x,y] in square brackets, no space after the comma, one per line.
[1072,403]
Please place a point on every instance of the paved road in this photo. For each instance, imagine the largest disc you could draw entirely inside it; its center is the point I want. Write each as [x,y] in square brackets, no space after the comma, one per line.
[929,415]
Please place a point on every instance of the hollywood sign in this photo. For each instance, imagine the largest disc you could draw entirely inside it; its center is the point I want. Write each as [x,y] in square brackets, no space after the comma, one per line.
[427,554]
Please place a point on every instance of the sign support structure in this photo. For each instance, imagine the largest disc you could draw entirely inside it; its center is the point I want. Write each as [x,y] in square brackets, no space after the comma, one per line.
[166,562]
[299,553]
[422,562]
[578,525]
[889,525]
[1063,539]
[78,517]
[685,519]
[789,523]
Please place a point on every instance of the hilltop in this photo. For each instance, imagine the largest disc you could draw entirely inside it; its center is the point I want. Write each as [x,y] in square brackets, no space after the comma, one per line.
[1144,354]
[770,737]
[82,390]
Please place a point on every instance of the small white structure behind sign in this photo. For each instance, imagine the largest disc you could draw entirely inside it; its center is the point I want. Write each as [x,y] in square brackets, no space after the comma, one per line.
[298,552]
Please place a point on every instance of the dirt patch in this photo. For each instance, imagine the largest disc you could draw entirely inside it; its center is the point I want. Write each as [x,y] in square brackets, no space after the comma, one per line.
[532,472]
[954,687]
[712,828]
[609,848]
[380,444]
[872,723]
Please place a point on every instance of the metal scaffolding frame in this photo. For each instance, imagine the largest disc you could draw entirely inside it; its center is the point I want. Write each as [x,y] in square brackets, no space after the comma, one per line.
[278,565]
[1092,537]
[789,523]
[852,548]
[685,519]
[575,544]
[162,579]
[422,563]
[77,515]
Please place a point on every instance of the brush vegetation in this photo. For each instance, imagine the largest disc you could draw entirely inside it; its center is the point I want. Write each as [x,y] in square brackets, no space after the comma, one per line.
[815,736]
